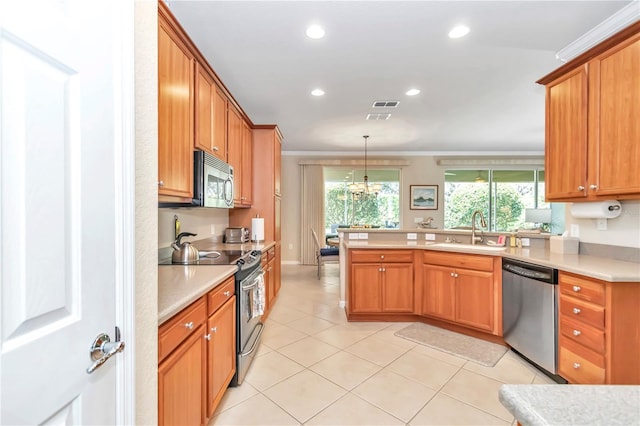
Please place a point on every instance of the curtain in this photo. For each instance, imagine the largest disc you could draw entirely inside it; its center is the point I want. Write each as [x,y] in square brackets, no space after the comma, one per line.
[312,209]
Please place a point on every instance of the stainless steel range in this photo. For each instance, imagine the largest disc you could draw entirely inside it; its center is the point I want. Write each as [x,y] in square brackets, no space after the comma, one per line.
[250,300]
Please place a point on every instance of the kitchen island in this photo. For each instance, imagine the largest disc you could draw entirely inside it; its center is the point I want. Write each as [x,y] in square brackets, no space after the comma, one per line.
[545,405]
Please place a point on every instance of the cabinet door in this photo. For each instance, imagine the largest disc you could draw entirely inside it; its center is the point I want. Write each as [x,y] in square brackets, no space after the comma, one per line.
[247,164]
[397,287]
[566,137]
[181,383]
[205,89]
[438,292]
[220,124]
[277,164]
[175,114]
[614,121]
[474,298]
[221,358]
[366,288]
[234,138]
[270,281]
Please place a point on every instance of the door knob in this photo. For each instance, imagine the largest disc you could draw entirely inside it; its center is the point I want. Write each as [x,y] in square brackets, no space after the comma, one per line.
[103,348]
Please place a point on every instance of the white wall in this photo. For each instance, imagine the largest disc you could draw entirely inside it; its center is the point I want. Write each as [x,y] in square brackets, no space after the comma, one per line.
[198,220]
[146,205]
[622,231]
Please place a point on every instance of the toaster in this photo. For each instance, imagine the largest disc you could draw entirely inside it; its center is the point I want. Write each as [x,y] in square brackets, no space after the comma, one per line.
[236,235]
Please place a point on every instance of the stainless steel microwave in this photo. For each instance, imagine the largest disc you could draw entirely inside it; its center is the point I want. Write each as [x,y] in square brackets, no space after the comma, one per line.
[212,181]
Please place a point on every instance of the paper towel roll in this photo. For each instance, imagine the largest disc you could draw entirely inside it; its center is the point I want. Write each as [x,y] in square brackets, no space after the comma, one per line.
[257,229]
[597,210]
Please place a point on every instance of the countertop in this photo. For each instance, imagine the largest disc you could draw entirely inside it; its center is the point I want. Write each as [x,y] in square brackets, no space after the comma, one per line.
[595,267]
[534,405]
[181,285]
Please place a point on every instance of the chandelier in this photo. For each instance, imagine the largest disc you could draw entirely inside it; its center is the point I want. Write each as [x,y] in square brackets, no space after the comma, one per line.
[363,190]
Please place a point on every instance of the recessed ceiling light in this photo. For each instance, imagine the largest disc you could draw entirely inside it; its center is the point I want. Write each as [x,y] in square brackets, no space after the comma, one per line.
[317,92]
[315,32]
[412,92]
[459,31]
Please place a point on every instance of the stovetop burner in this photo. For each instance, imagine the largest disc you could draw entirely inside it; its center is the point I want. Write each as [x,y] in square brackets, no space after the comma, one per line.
[242,258]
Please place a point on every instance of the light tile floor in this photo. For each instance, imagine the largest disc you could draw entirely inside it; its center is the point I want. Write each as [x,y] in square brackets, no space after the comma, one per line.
[315,368]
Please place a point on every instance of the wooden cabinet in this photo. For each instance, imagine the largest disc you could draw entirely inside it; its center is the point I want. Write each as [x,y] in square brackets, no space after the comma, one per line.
[270,277]
[599,331]
[197,357]
[220,103]
[221,352]
[381,281]
[240,157]
[592,150]
[266,202]
[181,380]
[206,115]
[462,288]
[176,65]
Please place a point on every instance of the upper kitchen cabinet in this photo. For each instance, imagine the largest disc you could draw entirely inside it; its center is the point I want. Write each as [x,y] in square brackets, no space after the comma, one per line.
[240,157]
[210,114]
[592,147]
[176,65]
[247,164]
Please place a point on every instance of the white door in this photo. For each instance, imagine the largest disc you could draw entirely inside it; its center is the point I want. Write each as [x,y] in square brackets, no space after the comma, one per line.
[61,210]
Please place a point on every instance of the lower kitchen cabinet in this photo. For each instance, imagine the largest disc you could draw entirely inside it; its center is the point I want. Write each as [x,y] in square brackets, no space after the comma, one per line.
[181,379]
[197,357]
[385,286]
[462,288]
[599,330]
[221,352]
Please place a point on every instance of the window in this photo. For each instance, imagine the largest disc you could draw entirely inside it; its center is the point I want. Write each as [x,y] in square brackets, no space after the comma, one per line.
[501,195]
[343,208]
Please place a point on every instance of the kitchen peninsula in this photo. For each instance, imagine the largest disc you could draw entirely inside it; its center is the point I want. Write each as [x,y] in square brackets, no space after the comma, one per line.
[459,286]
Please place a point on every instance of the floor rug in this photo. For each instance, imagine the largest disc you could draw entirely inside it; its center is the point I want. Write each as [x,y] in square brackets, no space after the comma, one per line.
[467,347]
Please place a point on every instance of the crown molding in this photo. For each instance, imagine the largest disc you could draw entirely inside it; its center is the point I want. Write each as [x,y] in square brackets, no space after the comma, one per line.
[616,22]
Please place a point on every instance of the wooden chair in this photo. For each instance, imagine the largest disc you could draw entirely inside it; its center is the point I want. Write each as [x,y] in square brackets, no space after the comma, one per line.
[324,254]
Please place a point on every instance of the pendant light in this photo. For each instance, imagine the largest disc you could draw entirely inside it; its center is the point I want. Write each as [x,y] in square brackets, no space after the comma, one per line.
[362,190]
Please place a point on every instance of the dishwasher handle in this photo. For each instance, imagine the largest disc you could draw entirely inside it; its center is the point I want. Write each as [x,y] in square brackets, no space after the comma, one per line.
[535,272]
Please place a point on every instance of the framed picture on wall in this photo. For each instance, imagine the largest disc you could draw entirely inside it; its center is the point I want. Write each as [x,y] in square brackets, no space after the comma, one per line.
[423,197]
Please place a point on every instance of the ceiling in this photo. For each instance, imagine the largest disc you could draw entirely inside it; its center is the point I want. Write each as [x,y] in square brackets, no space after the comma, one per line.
[478,93]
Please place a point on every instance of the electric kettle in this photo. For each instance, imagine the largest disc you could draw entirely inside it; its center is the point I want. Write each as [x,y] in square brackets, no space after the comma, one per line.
[184,252]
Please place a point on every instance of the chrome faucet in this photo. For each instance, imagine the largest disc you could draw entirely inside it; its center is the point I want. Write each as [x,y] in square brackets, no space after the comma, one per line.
[483,223]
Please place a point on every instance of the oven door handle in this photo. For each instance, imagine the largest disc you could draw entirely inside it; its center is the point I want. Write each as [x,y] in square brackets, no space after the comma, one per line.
[254,282]
[255,342]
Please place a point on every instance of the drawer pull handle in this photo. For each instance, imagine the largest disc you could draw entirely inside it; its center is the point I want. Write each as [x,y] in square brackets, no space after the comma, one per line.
[382,256]
[580,188]
[576,365]
[577,332]
[576,311]
[214,329]
[207,336]
[453,275]
[227,293]
[593,186]
[576,288]
[189,325]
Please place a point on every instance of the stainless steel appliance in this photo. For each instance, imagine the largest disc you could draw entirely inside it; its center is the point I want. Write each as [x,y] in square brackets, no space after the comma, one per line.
[529,313]
[212,183]
[250,300]
[236,235]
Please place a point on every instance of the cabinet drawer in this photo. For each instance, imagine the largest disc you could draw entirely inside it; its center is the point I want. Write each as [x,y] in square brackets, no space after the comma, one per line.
[578,366]
[582,288]
[468,261]
[584,312]
[381,256]
[178,328]
[584,334]
[220,294]
[263,260]
[271,253]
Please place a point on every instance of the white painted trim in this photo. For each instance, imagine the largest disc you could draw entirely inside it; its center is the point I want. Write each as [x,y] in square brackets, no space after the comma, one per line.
[290,262]
[342,304]
[616,22]
[124,173]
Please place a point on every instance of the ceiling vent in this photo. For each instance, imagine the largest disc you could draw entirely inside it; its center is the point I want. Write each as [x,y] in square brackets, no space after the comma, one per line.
[385,104]
[378,116]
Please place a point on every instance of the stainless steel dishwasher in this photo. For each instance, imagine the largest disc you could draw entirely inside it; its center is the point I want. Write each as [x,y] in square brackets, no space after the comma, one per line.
[529,312]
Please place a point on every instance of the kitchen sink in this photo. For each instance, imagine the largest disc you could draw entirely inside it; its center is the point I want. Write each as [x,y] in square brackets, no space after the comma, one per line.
[475,247]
